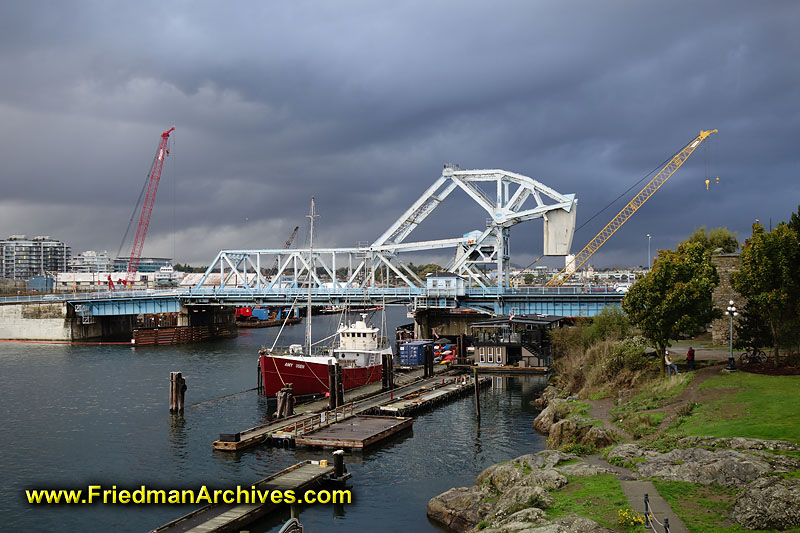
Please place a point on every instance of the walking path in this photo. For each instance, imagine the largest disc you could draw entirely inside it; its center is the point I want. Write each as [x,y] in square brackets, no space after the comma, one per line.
[635,490]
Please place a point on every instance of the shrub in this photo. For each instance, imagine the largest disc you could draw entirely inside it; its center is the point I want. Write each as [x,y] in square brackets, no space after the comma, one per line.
[628,354]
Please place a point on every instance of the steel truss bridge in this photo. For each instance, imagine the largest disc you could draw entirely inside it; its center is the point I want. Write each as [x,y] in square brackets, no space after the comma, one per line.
[376,275]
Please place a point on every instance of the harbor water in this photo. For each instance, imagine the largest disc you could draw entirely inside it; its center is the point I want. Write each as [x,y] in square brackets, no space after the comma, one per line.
[74,416]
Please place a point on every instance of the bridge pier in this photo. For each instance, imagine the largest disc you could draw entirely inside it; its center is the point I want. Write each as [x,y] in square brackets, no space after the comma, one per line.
[63,321]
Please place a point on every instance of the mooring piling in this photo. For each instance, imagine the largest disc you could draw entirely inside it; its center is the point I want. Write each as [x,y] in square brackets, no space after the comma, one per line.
[177,391]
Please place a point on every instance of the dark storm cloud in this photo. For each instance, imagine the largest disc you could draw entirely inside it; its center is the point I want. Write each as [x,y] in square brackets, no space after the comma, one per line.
[360,103]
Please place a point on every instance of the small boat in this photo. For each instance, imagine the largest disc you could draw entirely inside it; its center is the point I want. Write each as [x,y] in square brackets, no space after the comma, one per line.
[359,352]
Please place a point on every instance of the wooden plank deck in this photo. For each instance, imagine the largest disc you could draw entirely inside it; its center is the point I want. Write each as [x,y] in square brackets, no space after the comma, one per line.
[504,369]
[426,399]
[224,517]
[357,432]
[291,427]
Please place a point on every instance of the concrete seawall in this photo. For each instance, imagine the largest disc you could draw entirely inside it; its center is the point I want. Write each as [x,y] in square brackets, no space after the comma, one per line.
[35,321]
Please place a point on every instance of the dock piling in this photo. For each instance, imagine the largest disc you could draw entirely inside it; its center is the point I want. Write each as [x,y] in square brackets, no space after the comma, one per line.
[339,386]
[338,464]
[331,387]
[177,391]
[477,390]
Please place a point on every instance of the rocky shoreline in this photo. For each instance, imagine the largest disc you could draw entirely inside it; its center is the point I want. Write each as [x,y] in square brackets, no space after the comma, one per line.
[514,496]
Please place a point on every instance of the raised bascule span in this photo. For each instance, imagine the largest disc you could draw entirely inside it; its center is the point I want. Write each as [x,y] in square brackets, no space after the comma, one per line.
[481,257]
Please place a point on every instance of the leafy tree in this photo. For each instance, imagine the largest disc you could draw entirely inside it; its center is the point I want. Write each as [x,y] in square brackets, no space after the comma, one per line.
[675,296]
[528,279]
[715,239]
[794,221]
[610,324]
[769,279]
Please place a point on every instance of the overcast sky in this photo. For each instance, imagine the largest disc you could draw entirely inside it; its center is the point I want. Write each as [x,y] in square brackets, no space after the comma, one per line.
[361,103]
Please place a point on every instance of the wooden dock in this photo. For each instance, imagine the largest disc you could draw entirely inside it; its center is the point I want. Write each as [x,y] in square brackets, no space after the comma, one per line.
[428,398]
[512,370]
[285,431]
[357,432]
[224,517]
[417,396]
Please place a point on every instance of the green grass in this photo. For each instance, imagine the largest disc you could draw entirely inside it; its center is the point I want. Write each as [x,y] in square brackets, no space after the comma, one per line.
[655,394]
[640,425]
[748,405]
[703,508]
[578,408]
[598,498]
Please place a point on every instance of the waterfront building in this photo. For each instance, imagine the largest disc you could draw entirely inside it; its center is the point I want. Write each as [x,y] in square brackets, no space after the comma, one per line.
[146,264]
[22,258]
[515,340]
[98,281]
[91,261]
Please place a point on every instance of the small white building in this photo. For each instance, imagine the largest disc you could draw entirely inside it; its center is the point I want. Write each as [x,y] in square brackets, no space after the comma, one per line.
[445,284]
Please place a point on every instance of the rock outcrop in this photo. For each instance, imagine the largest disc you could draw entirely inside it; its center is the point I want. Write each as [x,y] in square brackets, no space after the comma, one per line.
[769,503]
[509,496]
[551,414]
[579,431]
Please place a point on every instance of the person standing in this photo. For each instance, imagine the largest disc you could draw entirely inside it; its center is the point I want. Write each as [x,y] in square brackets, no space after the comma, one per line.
[690,358]
[671,366]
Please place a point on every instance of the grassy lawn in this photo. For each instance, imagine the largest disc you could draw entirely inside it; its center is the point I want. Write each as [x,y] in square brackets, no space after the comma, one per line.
[596,497]
[703,508]
[748,405]
[656,394]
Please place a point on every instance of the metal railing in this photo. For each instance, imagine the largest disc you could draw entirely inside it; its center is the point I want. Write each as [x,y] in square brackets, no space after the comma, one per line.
[324,419]
[650,518]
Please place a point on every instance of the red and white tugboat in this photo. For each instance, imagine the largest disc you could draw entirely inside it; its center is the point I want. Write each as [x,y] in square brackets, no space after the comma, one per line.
[359,353]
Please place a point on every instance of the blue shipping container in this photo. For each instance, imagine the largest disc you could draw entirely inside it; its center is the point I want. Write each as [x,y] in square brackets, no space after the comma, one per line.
[413,353]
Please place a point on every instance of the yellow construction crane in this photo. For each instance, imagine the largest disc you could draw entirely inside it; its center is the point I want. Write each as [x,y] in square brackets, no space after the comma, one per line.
[637,202]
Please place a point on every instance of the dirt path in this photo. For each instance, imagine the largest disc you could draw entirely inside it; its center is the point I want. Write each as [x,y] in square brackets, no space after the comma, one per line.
[601,409]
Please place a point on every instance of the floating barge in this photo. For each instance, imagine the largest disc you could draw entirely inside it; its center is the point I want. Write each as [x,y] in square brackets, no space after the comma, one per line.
[357,432]
[228,518]
[541,370]
[404,400]
[428,398]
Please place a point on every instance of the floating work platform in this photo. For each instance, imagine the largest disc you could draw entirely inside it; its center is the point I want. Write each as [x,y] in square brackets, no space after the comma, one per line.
[504,369]
[283,432]
[225,517]
[426,398]
[357,432]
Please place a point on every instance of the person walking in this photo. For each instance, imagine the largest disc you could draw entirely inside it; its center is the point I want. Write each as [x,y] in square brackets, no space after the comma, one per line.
[671,366]
[690,358]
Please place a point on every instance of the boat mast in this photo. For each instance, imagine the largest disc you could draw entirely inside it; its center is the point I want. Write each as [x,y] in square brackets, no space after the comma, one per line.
[311,262]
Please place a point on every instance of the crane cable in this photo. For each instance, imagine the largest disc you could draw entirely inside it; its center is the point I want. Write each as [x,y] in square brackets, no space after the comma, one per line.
[612,202]
[136,208]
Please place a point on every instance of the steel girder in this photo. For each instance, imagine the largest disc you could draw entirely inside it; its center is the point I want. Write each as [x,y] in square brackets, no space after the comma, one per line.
[506,207]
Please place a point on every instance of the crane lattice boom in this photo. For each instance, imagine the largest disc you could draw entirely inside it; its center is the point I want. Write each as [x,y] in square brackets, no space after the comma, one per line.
[147,207]
[627,211]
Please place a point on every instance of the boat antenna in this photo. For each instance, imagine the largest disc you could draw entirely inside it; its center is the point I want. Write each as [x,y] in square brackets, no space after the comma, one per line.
[311,267]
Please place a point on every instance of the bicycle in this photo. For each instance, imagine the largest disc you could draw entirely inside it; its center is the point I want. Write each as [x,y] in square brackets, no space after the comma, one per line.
[753,356]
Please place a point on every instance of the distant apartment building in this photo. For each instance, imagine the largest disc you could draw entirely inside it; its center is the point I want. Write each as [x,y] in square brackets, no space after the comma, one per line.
[91,261]
[22,258]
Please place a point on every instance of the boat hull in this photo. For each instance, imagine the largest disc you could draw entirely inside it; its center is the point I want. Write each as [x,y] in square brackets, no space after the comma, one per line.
[309,377]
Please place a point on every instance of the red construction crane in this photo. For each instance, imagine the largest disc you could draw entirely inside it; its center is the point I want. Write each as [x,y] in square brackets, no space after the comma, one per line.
[147,207]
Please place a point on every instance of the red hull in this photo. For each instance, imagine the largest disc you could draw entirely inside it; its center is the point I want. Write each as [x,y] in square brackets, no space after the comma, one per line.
[310,378]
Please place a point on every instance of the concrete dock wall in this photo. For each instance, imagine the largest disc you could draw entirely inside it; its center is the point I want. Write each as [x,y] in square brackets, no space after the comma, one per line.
[35,321]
